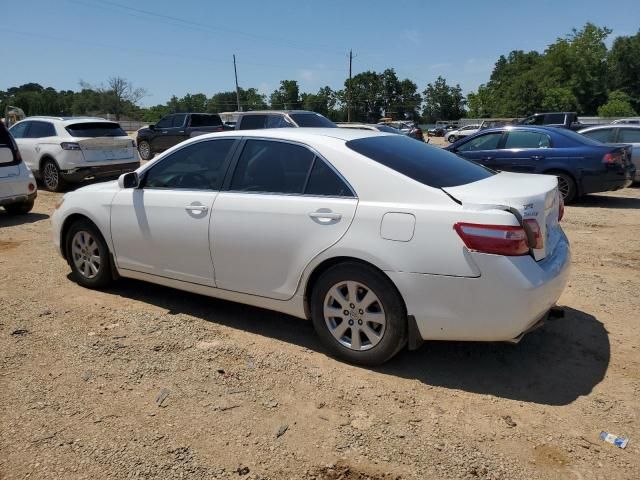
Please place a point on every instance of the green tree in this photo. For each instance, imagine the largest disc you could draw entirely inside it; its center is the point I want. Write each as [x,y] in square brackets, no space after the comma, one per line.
[619,105]
[287,97]
[323,102]
[623,62]
[443,102]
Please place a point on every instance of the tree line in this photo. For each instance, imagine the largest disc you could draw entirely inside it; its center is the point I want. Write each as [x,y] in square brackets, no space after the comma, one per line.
[575,73]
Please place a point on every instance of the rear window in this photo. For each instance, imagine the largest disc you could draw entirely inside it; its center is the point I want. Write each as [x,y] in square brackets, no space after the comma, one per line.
[312,120]
[205,120]
[577,137]
[424,163]
[96,129]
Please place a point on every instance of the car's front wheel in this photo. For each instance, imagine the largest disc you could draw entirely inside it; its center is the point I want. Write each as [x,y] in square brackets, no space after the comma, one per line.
[145,151]
[19,208]
[51,178]
[88,255]
[358,314]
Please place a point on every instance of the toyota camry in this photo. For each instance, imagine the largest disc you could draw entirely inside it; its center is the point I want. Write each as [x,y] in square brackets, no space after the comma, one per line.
[381,241]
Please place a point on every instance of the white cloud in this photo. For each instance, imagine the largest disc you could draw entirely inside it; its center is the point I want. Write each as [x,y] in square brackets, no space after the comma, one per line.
[413,36]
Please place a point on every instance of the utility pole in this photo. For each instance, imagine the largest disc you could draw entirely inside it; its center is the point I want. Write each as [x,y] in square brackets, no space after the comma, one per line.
[349,89]
[235,71]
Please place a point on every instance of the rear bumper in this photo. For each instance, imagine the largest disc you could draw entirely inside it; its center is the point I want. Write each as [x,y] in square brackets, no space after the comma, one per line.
[512,295]
[28,197]
[80,174]
[608,181]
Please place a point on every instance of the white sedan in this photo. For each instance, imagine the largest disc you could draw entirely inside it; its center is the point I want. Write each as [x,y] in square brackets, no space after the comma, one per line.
[380,240]
[461,132]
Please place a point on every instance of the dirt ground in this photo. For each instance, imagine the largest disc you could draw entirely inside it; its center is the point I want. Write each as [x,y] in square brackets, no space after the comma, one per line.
[142,381]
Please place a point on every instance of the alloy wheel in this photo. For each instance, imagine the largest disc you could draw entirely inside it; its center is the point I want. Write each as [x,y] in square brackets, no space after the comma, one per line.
[86,254]
[50,176]
[563,186]
[354,315]
[145,150]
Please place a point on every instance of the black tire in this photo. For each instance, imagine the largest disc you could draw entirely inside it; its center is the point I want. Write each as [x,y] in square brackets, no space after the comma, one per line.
[145,150]
[50,175]
[393,334]
[452,138]
[103,276]
[21,208]
[567,186]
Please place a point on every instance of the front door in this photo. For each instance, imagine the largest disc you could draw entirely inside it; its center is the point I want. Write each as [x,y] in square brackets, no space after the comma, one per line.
[162,227]
[283,207]
[481,149]
[523,151]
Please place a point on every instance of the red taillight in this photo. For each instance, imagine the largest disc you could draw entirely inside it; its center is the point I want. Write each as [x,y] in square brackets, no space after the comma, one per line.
[497,239]
[534,227]
[612,158]
[560,208]
[32,187]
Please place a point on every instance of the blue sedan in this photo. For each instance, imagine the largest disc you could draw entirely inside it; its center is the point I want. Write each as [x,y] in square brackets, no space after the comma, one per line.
[581,164]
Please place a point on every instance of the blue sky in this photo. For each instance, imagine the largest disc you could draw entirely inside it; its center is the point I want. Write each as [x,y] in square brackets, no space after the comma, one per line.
[186,47]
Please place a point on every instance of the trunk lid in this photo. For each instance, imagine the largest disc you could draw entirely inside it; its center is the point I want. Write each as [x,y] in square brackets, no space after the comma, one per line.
[527,196]
[101,149]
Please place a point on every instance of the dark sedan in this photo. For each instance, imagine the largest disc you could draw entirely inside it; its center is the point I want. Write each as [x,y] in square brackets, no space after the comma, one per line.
[581,164]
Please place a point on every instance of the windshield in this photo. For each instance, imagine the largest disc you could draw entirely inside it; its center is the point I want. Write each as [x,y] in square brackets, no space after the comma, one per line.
[424,163]
[312,120]
[96,129]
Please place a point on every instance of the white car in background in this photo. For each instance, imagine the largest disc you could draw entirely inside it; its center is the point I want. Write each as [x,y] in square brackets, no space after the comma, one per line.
[63,150]
[380,240]
[461,132]
[618,133]
[17,185]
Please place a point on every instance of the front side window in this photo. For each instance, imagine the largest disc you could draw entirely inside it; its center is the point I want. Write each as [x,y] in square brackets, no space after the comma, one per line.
[524,139]
[554,118]
[429,165]
[19,130]
[165,122]
[253,122]
[202,120]
[178,120]
[198,166]
[41,130]
[273,167]
[534,120]
[629,135]
[489,141]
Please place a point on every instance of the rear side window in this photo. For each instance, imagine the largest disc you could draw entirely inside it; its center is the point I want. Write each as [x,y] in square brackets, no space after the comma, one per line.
[424,163]
[604,135]
[554,119]
[277,121]
[19,130]
[629,135]
[198,166]
[312,120]
[325,181]
[489,141]
[253,122]
[41,130]
[96,129]
[205,121]
[273,167]
[524,139]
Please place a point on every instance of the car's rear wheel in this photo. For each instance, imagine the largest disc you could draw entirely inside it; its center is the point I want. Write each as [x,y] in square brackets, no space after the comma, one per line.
[19,208]
[51,178]
[566,186]
[358,314]
[88,255]
[144,149]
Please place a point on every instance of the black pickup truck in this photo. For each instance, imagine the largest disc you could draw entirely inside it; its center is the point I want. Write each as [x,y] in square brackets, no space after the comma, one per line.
[567,120]
[173,129]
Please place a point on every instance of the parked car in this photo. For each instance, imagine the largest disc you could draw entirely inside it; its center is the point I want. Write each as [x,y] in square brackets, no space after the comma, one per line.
[18,188]
[380,240]
[281,119]
[173,129]
[581,164]
[619,133]
[568,120]
[461,132]
[632,121]
[370,126]
[408,128]
[63,150]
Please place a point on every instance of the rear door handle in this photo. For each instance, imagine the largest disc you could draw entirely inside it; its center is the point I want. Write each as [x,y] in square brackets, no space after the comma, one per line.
[325,216]
[486,158]
[537,157]
[196,208]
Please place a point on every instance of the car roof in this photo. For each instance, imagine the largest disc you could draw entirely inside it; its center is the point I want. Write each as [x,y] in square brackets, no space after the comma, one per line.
[287,112]
[300,134]
[540,128]
[611,125]
[69,120]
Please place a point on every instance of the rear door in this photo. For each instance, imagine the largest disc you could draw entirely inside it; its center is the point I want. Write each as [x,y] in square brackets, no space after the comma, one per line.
[38,133]
[523,151]
[26,146]
[162,228]
[283,206]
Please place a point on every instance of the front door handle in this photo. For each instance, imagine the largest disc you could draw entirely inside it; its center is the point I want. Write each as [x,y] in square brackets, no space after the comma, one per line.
[537,157]
[486,158]
[325,216]
[196,208]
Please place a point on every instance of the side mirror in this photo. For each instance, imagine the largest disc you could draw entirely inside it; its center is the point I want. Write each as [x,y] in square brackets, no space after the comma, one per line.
[128,180]
[152,126]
